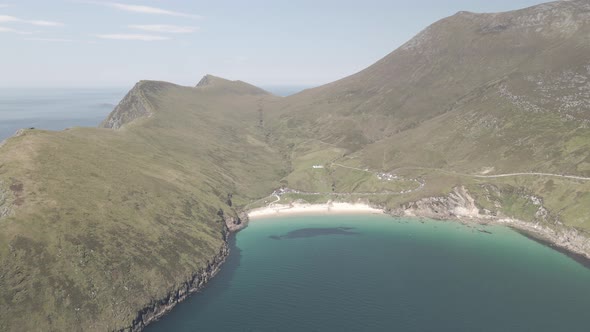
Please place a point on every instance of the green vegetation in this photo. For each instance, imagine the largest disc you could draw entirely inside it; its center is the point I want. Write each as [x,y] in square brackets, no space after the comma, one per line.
[95,224]
[104,221]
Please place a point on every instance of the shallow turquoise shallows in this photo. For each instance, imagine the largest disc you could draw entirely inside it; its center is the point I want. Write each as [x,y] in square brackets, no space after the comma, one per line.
[376,273]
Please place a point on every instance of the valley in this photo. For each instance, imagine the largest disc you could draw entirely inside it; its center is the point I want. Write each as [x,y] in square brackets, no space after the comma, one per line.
[480,117]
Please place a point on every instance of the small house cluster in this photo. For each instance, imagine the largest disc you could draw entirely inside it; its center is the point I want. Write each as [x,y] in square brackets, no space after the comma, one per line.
[387,176]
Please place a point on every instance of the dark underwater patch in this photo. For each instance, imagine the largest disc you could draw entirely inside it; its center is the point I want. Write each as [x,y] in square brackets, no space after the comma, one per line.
[311,232]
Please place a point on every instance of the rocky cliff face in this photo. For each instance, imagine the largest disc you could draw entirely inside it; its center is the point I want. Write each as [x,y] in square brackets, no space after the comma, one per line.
[238,222]
[196,282]
[461,205]
[456,205]
[563,238]
[206,80]
[135,105]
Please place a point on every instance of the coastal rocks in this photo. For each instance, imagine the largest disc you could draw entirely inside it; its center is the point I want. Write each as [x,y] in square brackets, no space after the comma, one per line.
[567,239]
[157,309]
[460,205]
[236,223]
[457,204]
[542,213]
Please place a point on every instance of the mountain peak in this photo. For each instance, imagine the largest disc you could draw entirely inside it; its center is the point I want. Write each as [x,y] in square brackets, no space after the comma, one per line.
[226,86]
[209,80]
[133,106]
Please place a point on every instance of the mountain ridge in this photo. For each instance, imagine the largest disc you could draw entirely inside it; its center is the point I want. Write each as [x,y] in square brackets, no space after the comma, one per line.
[213,82]
[101,223]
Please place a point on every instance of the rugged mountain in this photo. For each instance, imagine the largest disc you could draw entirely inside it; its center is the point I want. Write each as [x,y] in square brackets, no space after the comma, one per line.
[221,85]
[444,66]
[100,223]
[102,228]
[471,94]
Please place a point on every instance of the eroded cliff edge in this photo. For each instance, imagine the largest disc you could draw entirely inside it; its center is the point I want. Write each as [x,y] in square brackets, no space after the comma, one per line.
[461,205]
[158,308]
[134,105]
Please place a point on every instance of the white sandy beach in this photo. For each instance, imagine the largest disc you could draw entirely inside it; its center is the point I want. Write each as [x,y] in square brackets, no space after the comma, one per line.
[299,208]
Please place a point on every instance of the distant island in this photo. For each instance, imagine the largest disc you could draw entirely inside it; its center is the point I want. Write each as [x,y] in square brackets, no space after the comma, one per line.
[480,118]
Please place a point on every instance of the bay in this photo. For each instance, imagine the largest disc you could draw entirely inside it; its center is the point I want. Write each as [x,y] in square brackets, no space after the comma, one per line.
[377,273]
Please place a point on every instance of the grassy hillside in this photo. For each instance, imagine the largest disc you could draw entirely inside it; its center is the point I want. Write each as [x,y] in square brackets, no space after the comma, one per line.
[471,94]
[442,67]
[97,223]
[102,222]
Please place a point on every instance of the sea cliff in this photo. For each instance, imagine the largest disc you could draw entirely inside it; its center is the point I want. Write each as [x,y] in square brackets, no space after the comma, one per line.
[196,282]
[461,205]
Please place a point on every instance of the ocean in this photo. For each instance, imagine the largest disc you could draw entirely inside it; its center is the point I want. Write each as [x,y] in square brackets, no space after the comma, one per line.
[377,273]
[57,109]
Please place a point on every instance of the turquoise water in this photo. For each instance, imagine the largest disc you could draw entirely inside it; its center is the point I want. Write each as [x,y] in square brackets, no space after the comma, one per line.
[376,273]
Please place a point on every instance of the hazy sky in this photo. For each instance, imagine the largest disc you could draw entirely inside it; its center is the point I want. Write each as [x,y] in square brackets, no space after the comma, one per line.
[67,43]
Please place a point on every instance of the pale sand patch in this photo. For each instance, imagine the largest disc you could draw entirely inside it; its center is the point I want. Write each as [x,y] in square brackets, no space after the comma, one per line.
[299,208]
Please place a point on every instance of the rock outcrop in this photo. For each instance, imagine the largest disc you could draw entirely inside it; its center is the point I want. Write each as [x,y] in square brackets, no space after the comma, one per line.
[135,105]
[237,223]
[456,205]
[460,205]
[196,282]
[226,86]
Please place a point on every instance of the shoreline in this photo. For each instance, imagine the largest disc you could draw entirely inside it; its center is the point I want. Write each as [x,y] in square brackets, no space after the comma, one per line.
[541,234]
[576,256]
[567,241]
[564,240]
[280,210]
[157,309]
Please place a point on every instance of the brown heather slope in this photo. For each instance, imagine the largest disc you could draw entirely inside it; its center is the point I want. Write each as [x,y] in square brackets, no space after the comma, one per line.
[98,224]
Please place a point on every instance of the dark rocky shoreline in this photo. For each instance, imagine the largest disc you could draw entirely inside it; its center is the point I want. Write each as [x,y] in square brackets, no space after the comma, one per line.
[157,309]
[578,257]
[198,280]
[459,206]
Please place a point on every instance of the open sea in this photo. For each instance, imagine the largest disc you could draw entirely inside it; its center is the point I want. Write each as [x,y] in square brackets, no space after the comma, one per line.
[57,109]
[54,109]
[377,273]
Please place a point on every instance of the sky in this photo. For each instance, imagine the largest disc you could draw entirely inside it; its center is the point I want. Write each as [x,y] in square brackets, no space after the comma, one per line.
[85,43]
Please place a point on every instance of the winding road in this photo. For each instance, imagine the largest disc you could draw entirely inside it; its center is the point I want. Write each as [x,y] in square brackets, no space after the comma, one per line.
[565,176]
[278,198]
[421,183]
[506,175]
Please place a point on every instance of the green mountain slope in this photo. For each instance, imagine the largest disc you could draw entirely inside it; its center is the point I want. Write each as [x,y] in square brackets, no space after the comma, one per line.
[472,94]
[101,226]
[103,222]
[442,66]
